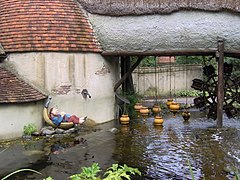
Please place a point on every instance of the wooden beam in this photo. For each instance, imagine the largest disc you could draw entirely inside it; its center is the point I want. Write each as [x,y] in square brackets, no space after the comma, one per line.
[128,73]
[183,52]
[220,86]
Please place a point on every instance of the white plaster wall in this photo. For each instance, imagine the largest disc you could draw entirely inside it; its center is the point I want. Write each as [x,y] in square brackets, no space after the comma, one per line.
[176,31]
[65,75]
[166,81]
[15,116]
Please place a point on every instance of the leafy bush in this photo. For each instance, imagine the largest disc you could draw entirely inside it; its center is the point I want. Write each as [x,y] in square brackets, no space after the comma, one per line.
[133,98]
[189,60]
[87,173]
[29,129]
[115,172]
[148,61]
[188,93]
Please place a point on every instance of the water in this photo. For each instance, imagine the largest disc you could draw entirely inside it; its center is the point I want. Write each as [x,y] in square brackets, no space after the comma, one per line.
[166,152]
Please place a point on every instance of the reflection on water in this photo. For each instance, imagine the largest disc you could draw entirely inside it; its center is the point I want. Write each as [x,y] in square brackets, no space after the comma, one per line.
[163,152]
[159,152]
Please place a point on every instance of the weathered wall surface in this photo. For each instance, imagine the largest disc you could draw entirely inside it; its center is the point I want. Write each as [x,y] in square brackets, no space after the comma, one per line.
[65,75]
[176,31]
[15,116]
[165,79]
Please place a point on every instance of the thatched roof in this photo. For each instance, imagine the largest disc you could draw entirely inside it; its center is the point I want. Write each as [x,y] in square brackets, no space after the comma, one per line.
[191,32]
[141,7]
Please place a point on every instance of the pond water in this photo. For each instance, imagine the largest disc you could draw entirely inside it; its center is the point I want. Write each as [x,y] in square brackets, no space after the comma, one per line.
[158,152]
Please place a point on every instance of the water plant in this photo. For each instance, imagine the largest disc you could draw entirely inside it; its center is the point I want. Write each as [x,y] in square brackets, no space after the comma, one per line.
[29,129]
[88,173]
[190,168]
[118,172]
[236,174]
[115,172]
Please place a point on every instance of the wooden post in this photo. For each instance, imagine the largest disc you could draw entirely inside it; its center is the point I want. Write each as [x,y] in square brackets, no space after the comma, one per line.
[220,87]
[127,73]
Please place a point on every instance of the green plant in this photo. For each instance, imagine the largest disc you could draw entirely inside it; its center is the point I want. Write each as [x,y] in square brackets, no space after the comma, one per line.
[189,60]
[191,171]
[49,178]
[236,173]
[188,93]
[148,61]
[29,129]
[117,172]
[162,105]
[133,99]
[88,173]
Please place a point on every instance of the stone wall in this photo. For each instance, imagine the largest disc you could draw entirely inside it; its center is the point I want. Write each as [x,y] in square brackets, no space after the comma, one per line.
[165,79]
[65,75]
[15,116]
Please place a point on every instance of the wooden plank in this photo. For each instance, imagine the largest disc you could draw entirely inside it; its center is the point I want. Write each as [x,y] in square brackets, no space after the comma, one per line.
[185,52]
[162,52]
[220,92]
[128,73]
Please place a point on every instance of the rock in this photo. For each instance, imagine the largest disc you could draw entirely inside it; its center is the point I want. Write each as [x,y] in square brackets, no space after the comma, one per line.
[59,131]
[69,131]
[33,152]
[114,130]
[58,135]
[47,132]
[36,133]
[49,127]
[27,137]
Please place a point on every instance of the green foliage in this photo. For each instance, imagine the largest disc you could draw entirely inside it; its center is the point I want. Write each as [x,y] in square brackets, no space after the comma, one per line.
[189,60]
[133,98]
[188,93]
[162,105]
[236,173]
[236,65]
[48,178]
[88,173]
[115,172]
[191,171]
[29,129]
[148,61]
[118,172]
[237,176]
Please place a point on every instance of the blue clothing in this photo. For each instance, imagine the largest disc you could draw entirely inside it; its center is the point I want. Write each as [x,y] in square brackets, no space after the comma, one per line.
[58,119]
